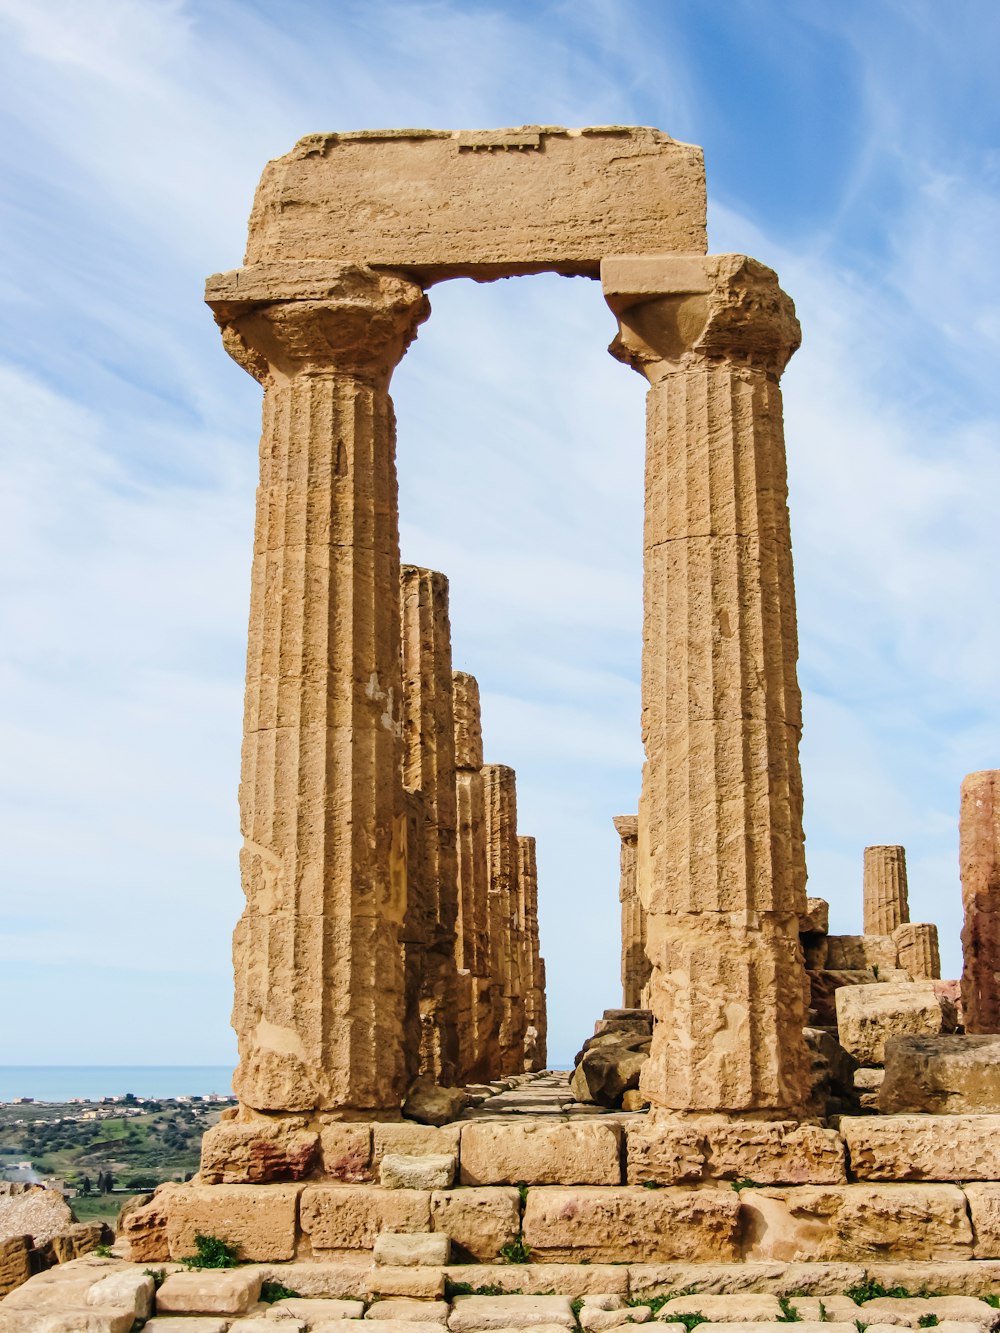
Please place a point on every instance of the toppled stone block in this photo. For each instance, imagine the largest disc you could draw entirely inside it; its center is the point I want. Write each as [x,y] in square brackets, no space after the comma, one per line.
[431,1104]
[480,1221]
[815,920]
[916,1147]
[943,1075]
[418,1249]
[229,1292]
[33,1210]
[128,1290]
[503,1153]
[472,1314]
[768,1152]
[263,1150]
[838,1222]
[860,953]
[868,1016]
[917,947]
[347,1218]
[627,1223]
[346,1150]
[15,1265]
[436,1171]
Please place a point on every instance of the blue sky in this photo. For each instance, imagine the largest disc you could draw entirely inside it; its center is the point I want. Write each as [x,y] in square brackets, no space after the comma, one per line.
[854,146]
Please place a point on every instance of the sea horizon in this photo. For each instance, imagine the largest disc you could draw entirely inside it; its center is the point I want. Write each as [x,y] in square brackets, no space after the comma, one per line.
[62,1083]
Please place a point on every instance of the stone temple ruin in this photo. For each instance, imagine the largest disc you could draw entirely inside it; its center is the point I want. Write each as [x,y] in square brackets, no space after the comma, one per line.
[780,1123]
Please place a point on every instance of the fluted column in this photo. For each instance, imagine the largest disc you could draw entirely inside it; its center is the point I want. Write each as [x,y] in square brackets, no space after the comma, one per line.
[919,953]
[886,902]
[979,859]
[477,1039]
[721,866]
[501,857]
[533,974]
[635,965]
[319,978]
[429,767]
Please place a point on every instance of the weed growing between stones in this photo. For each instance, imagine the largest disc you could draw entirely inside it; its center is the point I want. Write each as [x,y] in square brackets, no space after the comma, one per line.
[824,1318]
[872,1290]
[745,1185]
[102,1252]
[275,1291]
[211,1252]
[928,1321]
[515,1251]
[992,1299]
[159,1276]
[789,1314]
[453,1289]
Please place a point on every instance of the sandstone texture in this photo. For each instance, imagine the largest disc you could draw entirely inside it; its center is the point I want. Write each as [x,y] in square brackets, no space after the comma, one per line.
[258,1152]
[635,967]
[433,1172]
[869,1016]
[923,1147]
[886,901]
[979,858]
[479,1221]
[768,1152]
[346,1218]
[946,1075]
[500,1153]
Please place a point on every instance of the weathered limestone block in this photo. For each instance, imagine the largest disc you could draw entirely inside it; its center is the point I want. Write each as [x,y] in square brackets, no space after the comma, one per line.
[144,1226]
[631,1224]
[319,972]
[346,1218]
[886,902]
[947,1075]
[346,1150]
[779,1279]
[421,1249]
[815,920]
[869,1016]
[502,865]
[15,1266]
[313,1310]
[35,1210]
[856,1222]
[429,767]
[984,1210]
[721,867]
[567,1153]
[635,965]
[571,1280]
[979,858]
[67,1319]
[479,1221]
[531,198]
[413,1140]
[861,953]
[414,1281]
[431,1104]
[471,1314]
[768,1152]
[823,986]
[258,1152]
[835,1308]
[128,1290]
[403,1307]
[921,1147]
[187,1324]
[259,1221]
[745,1308]
[209,1292]
[908,1311]
[435,1171]
[917,947]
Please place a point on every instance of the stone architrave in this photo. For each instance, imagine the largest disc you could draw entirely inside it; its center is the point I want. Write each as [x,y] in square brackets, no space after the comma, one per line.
[317,954]
[533,976]
[429,767]
[502,863]
[917,950]
[635,965]
[477,1040]
[979,858]
[721,865]
[886,901]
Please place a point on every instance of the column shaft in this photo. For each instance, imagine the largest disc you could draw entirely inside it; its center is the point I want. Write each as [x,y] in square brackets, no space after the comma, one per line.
[979,856]
[535,1016]
[917,944]
[635,967]
[502,857]
[886,903]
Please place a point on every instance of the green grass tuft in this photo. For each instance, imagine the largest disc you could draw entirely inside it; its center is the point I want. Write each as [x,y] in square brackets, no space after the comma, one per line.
[211,1252]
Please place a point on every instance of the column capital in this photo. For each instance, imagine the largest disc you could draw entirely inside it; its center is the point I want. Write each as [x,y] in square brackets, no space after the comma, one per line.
[281,320]
[676,311]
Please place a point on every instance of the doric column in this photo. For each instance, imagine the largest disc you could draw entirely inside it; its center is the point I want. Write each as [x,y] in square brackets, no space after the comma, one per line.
[635,964]
[979,858]
[429,767]
[319,974]
[478,1039]
[917,945]
[501,858]
[533,976]
[886,903]
[721,866]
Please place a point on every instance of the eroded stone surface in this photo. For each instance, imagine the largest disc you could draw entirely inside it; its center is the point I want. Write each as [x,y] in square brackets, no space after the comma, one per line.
[979,858]
[945,1075]
[869,1016]
[479,1221]
[912,1147]
[347,1218]
[231,1292]
[504,1153]
[886,902]
[775,1152]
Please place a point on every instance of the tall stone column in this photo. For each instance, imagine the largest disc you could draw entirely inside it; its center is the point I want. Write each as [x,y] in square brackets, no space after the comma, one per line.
[886,901]
[429,767]
[979,858]
[635,964]
[478,1056]
[533,978]
[721,865]
[501,857]
[318,963]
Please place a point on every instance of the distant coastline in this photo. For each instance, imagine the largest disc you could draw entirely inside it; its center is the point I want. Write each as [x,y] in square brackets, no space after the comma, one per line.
[63,1083]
